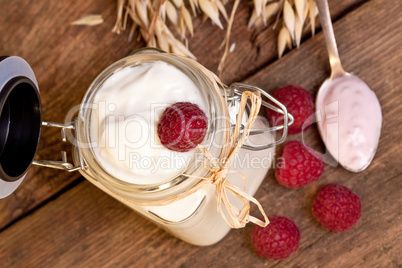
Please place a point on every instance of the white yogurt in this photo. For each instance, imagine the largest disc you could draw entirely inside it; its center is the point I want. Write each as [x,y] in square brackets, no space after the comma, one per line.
[125,113]
[124,124]
[350,121]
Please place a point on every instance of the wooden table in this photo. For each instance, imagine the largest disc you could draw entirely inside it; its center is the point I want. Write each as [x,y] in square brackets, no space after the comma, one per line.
[58,219]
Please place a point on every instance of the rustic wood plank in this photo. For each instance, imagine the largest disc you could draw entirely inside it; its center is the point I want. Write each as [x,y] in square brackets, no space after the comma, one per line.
[86,227]
[67,58]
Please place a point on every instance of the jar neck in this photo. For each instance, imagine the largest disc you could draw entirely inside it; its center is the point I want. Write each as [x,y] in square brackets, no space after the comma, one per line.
[216,139]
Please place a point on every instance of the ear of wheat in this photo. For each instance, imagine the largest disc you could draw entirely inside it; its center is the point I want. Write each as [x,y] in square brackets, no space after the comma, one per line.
[152,17]
[291,15]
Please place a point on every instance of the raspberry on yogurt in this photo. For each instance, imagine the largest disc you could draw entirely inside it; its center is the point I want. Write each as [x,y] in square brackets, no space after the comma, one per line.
[182,126]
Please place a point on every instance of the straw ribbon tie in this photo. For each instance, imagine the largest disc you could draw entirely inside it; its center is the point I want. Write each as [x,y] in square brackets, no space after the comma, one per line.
[220,169]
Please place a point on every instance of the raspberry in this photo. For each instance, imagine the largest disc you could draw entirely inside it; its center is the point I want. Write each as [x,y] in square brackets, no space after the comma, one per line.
[182,126]
[300,167]
[278,240]
[299,103]
[336,207]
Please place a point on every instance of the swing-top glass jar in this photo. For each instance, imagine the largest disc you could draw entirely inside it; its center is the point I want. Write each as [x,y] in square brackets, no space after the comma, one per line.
[115,145]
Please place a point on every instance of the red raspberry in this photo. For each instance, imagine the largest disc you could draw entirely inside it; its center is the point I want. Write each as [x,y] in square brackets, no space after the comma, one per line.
[182,126]
[337,208]
[299,167]
[278,240]
[299,103]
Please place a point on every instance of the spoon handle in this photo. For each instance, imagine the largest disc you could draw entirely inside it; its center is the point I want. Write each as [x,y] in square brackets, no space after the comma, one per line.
[326,24]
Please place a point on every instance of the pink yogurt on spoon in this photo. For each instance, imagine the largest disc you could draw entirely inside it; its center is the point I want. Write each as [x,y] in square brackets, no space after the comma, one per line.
[349,119]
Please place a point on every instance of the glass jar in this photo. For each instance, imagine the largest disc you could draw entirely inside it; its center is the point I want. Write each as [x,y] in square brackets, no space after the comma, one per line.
[194,218]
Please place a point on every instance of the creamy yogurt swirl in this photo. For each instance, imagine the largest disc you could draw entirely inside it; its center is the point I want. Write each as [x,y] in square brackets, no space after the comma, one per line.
[124,123]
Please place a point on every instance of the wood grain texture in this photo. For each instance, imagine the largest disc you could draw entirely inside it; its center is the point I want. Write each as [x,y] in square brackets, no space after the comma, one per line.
[67,58]
[85,227]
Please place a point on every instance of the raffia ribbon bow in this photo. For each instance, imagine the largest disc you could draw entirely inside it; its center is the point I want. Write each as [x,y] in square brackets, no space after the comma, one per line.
[220,169]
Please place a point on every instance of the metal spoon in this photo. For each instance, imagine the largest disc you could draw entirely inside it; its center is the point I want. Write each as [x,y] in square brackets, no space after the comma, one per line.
[348,112]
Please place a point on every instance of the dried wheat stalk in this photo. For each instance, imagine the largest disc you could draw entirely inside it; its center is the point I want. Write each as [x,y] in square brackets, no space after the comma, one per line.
[150,18]
[293,15]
